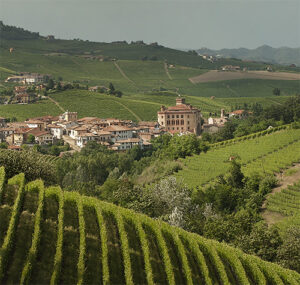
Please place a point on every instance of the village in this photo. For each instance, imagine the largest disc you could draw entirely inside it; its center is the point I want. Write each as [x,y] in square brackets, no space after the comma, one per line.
[115,134]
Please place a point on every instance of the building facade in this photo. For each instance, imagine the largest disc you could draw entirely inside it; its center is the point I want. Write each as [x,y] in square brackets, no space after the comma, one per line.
[181,118]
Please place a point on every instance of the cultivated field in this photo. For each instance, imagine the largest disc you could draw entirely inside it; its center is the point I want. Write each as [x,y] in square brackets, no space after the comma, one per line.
[48,236]
[216,75]
[259,153]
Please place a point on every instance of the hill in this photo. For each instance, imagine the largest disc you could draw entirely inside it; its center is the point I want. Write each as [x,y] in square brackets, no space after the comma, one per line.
[50,236]
[282,55]
[267,152]
[287,204]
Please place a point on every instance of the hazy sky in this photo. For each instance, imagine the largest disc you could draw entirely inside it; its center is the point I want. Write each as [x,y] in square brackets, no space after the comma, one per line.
[179,24]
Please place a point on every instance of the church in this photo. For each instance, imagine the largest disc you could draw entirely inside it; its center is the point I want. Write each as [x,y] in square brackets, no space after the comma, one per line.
[182,118]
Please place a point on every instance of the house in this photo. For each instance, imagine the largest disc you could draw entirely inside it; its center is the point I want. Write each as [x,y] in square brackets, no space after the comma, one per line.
[119,132]
[239,114]
[103,136]
[128,144]
[218,121]
[35,124]
[83,138]
[3,122]
[68,116]
[56,131]
[41,136]
[77,130]
[20,89]
[180,118]
[19,136]
[23,98]
[230,68]
[5,132]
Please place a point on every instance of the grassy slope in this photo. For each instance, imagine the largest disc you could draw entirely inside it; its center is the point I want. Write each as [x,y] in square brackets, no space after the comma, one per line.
[67,238]
[23,112]
[144,76]
[286,203]
[265,154]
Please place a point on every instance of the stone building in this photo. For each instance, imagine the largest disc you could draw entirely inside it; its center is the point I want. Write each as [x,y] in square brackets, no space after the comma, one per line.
[181,118]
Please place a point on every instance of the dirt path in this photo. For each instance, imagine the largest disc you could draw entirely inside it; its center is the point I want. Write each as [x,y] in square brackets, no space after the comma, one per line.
[123,73]
[167,71]
[284,181]
[57,104]
[129,110]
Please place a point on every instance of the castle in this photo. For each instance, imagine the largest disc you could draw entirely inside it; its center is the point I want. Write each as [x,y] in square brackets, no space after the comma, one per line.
[182,118]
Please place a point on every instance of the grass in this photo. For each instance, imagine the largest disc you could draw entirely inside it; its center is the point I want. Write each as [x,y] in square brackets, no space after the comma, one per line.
[23,112]
[171,253]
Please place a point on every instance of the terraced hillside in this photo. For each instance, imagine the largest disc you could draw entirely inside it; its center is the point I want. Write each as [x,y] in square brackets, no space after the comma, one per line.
[264,152]
[51,236]
[286,203]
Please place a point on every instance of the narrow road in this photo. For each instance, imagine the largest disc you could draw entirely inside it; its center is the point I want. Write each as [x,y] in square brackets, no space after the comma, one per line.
[167,71]
[284,181]
[123,73]
[56,103]
[129,110]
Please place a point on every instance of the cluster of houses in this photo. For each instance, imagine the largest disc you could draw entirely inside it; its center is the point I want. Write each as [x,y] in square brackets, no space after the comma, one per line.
[214,124]
[28,78]
[114,133]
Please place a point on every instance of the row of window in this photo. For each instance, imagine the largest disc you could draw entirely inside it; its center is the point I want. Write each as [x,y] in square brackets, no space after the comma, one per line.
[177,122]
[177,128]
[173,116]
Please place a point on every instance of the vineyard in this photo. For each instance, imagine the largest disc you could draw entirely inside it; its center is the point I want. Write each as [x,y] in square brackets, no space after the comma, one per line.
[32,164]
[261,152]
[287,203]
[51,236]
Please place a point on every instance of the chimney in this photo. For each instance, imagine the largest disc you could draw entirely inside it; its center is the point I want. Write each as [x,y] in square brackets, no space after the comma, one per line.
[180,101]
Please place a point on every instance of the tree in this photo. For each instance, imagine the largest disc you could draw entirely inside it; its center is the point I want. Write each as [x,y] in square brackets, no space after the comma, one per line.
[30,138]
[58,86]
[276,91]
[235,176]
[50,84]
[288,254]
[111,88]
[3,145]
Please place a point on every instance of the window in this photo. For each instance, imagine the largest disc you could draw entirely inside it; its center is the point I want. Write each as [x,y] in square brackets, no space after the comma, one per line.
[188,122]
[188,128]
[168,117]
[188,116]
[173,116]
[172,128]
[181,116]
[177,116]
[177,122]
[162,117]
[162,123]
[177,128]
[182,122]
[173,122]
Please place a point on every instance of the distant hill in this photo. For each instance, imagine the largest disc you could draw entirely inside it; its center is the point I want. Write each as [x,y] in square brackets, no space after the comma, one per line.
[29,42]
[15,33]
[265,53]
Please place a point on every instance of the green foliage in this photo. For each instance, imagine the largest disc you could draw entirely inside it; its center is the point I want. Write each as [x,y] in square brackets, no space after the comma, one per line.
[184,244]
[33,165]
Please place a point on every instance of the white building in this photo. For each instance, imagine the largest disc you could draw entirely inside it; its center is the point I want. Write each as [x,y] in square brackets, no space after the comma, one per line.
[119,132]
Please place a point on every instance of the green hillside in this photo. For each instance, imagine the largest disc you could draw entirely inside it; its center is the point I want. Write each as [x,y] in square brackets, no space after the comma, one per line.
[287,203]
[260,152]
[50,236]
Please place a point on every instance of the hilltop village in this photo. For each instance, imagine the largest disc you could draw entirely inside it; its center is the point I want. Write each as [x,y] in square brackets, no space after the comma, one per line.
[114,133]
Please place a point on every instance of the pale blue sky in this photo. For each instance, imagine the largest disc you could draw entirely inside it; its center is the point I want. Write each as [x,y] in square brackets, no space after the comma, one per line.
[178,24]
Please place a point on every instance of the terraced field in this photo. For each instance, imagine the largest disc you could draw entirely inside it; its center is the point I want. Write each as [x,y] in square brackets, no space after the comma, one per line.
[263,154]
[286,203]
[51,236]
